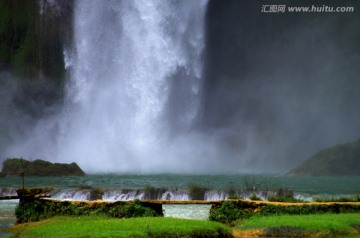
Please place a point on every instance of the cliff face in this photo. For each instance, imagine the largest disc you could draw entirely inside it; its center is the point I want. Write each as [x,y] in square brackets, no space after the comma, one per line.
[33,37]
[339,160]
[33,34]
[40,168]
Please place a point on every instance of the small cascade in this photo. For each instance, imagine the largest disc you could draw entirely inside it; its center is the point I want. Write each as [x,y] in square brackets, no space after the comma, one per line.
[72,194]
[120,196]
[215,195]
[90,194]
[176,195]
[304,197]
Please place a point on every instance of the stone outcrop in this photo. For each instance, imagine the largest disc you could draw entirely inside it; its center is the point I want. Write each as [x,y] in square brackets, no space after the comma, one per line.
[16,166]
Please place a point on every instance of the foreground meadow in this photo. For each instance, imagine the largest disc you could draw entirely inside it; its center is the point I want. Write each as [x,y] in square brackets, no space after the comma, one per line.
[320,225]
[101,226]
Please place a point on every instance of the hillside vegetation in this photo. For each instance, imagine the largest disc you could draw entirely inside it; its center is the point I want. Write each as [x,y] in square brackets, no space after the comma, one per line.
[40,168]
[339,160]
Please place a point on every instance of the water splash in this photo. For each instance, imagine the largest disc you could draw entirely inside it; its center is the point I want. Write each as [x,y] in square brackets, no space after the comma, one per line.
[134,89]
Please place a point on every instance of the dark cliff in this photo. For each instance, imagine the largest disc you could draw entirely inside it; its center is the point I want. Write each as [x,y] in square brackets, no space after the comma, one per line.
[33,36]
[40,168]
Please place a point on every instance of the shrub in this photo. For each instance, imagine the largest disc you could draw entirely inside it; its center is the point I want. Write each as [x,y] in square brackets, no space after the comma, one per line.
[354,198]
[197,191]
[136,209]
[38,209]
[152,193]
[346,199]
[283,199]
[29,211]
[96,193]
[285,193]
[254,197]
[228,213]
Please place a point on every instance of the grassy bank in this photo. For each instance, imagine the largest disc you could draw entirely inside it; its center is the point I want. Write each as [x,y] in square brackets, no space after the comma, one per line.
[101,226]
[319,225]
[230,211]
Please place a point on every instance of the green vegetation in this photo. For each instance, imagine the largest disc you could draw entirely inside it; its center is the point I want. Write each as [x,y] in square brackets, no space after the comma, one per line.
[39,209]
[96,193]
[32,40]
[307,209]
[320,225]
[230,211]
[40,168]
[100,226]
[134,209]
[339,160]
[197,191]
[284,195]
[19,35]
[294,220]
[31,44]
[283,199]
[232,191]
[255,197]
[354,198]
[152,193]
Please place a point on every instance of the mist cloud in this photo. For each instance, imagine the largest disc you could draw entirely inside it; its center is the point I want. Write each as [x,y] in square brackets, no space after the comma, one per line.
[237,91]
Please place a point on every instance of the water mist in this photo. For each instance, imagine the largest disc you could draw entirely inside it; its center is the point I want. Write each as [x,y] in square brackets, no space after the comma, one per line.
[134,90]
[192,87]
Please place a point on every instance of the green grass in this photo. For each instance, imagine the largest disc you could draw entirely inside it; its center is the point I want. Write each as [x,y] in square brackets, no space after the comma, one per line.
[353,198]
[101,226]
[321,225]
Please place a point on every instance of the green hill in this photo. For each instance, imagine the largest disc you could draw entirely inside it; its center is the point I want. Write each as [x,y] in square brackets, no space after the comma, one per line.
[40,168]
[339,160]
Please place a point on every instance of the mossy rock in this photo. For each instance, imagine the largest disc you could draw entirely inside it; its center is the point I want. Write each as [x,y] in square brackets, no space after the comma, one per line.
[18,166]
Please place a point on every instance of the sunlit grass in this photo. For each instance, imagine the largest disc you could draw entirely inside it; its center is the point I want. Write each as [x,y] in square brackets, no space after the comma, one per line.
[98,226]
[321,225]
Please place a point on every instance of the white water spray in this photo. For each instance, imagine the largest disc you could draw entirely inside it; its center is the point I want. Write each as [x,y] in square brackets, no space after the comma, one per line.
[134,90]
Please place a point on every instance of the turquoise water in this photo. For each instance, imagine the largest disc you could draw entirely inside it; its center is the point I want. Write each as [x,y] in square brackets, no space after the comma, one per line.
[7,215]
[308,185]
[193,211]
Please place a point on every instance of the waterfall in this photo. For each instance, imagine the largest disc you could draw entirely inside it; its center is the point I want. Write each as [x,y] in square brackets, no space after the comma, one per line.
[135,84]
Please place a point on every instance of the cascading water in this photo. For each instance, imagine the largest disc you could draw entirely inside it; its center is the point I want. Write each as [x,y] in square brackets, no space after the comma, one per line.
[133,94]
[135,83]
